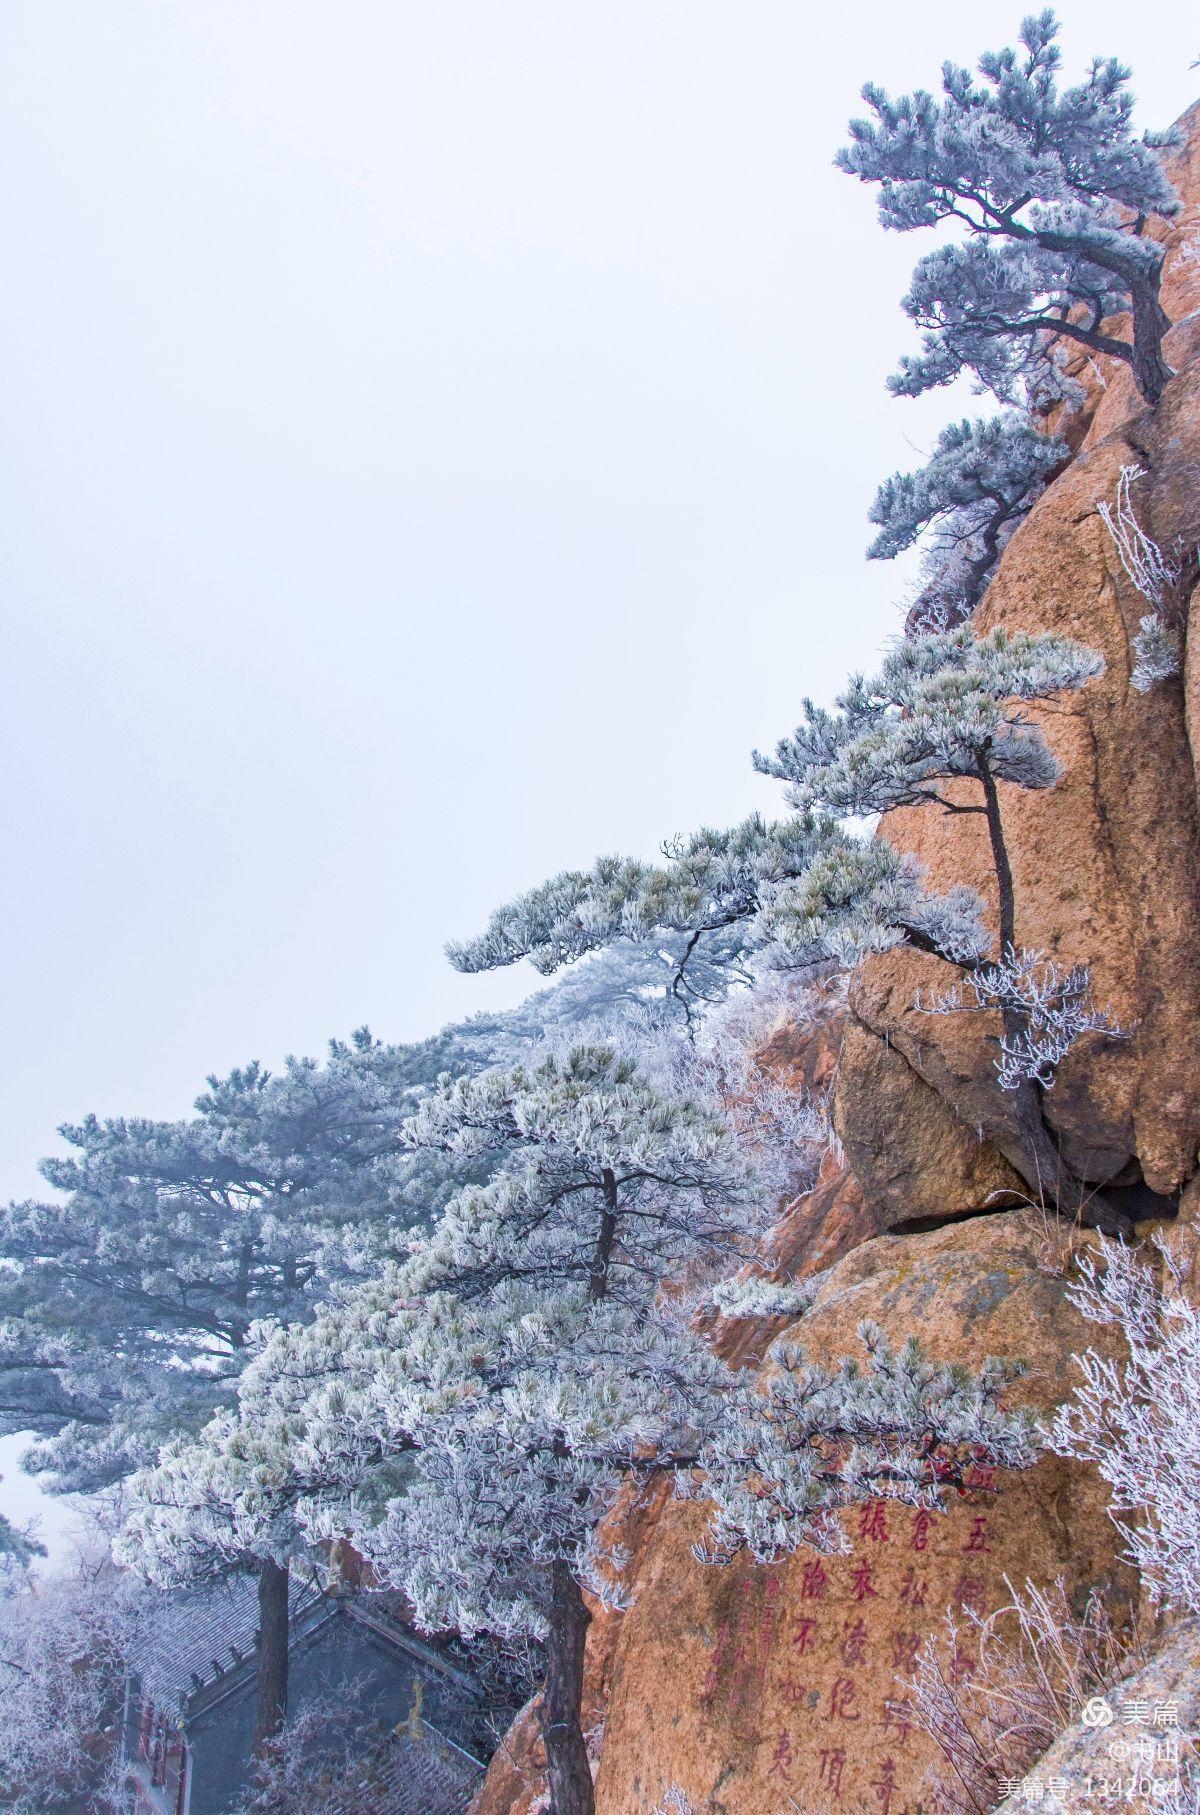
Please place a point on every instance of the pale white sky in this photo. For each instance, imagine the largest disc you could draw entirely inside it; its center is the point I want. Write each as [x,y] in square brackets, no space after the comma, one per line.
[434,448]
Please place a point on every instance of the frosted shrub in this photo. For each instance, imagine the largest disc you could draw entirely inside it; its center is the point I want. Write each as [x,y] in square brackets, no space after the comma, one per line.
[1158,654]
[65,1643]
[1054,1005]
[1138,1419]
[1158,645]
[1034,1663]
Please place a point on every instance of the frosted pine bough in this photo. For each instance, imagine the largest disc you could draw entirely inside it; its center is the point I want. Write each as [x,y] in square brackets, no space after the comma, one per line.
[1052,192]
[942,707]
[982,479]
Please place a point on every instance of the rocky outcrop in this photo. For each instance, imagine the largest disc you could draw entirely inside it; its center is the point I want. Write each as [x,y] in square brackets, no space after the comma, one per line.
[1137,1745]
[746,1685]
[913,1157]
[1105,863]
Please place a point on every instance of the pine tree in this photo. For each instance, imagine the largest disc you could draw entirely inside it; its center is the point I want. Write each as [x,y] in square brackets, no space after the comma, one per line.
[128,1305]
[945,710]
[537,1351]
[1054,192]
[982,479]
[128,1308]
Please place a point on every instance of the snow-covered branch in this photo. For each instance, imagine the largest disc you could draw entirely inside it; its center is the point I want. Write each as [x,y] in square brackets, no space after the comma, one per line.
[1053,1004]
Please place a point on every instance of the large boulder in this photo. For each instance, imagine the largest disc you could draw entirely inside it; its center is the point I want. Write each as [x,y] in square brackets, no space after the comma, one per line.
[761,1690]
[915,1161]
[745,1686]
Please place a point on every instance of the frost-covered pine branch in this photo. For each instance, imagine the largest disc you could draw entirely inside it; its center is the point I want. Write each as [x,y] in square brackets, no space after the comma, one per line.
[1052,192]
[1053,1004]
[864,898]
[722,892]
[941,708]
[759,1297]
[981,480]
[1138,1419]
[819,1439]
[708,890]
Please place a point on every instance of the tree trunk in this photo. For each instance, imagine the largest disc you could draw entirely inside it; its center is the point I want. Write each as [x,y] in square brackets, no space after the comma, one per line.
[1034,1152]
[273,1651]
[562,1701]
[1150,319]
[1150,323]
[605,1237]
[1004,875]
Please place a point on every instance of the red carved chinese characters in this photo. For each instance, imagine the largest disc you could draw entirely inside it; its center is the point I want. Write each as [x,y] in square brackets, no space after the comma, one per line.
[884,1785]
[803,1634]
[862,1582]
[872,1522]
[920,1531]
[829,1771]
[716,1660]
[813,1581]
[978,1540]
[898,1716]
[914,1589]
[842,1698]
[970,1593]
[781,1759]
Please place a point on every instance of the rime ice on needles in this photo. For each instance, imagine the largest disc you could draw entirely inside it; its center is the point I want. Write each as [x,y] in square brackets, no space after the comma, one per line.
[942,707]
[738,1298]
[709,889]
[1052,190]
[982,479]
[1158,653]
[864,898]
[727,892]
[1055,1006]
[902,1426]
